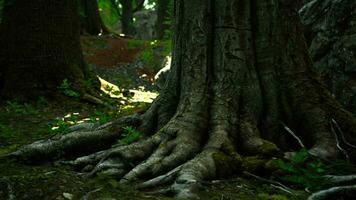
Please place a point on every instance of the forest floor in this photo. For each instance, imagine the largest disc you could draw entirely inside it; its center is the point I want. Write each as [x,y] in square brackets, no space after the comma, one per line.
[131,65]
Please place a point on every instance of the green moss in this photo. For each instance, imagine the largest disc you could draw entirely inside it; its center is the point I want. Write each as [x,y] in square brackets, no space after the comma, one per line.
[271,165]
[227,161]
[134,43]
[254,163]
[8,149]
[268,148]
[264,196]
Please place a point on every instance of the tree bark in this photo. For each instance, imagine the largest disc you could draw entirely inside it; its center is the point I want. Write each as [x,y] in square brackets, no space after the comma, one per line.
[127,17]
[330,31]
[40,47]
[241,74]
[91,20]
[162,9]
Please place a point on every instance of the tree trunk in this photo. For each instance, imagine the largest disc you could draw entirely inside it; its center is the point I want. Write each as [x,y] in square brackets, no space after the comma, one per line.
[40,47]
[241,77]
[127,22]
[91,20]
[162,9]
[330,29]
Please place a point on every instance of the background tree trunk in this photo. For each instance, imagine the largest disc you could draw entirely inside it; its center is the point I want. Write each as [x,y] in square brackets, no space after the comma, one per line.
[91,20]
[162,9]
[330,29]
[127,17]
[40,47]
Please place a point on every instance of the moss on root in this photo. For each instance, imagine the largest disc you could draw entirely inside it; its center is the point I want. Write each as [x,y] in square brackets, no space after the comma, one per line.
[255,164]
[268,148]
[227,161]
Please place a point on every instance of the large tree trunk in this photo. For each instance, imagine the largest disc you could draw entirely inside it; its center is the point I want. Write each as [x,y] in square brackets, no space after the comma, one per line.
[241,76]
[40,47]
[92,22]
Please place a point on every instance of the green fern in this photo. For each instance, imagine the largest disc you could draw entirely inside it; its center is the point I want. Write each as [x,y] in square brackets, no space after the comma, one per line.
[129,135]
[304,170]
[66,89]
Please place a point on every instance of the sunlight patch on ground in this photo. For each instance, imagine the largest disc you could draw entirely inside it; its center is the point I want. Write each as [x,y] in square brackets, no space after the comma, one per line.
[140,95]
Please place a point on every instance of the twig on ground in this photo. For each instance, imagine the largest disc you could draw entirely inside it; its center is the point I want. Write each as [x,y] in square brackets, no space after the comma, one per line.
[338,143]
[282,188]
[86,196]
[293,134]
[342,134]
[276,183]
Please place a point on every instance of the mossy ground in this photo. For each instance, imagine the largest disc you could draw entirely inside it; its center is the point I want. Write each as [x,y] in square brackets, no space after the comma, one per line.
[24,123]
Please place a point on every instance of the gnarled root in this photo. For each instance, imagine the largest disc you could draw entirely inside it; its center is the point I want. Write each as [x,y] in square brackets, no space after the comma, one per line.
[177,156]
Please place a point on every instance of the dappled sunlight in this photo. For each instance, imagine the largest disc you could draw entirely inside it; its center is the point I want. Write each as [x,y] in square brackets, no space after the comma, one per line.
[139,95]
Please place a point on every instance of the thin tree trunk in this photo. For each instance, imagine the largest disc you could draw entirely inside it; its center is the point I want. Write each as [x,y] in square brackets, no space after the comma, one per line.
[92,22]
[162,10]
[115,6]
[127,18]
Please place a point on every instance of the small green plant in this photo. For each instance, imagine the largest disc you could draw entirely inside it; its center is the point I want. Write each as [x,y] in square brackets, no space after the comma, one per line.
[304,170]
[5,131]
[59,126]
[103,117]
[62,125]
[89,83]
[129,135]
[23,109]
[66,89]
[146,56]
[111,90]
[41,102]
[264,196]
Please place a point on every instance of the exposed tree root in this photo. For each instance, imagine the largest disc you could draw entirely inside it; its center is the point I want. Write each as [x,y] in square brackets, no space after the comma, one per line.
[334,192]
[338,180]
[275,183]
[75,143]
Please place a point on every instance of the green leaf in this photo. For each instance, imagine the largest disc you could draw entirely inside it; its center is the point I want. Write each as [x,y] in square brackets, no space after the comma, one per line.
[287,167]
[300,157]
[295,179]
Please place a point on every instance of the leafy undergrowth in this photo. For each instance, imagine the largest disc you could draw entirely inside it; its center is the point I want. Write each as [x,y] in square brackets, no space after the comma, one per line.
[303,170]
